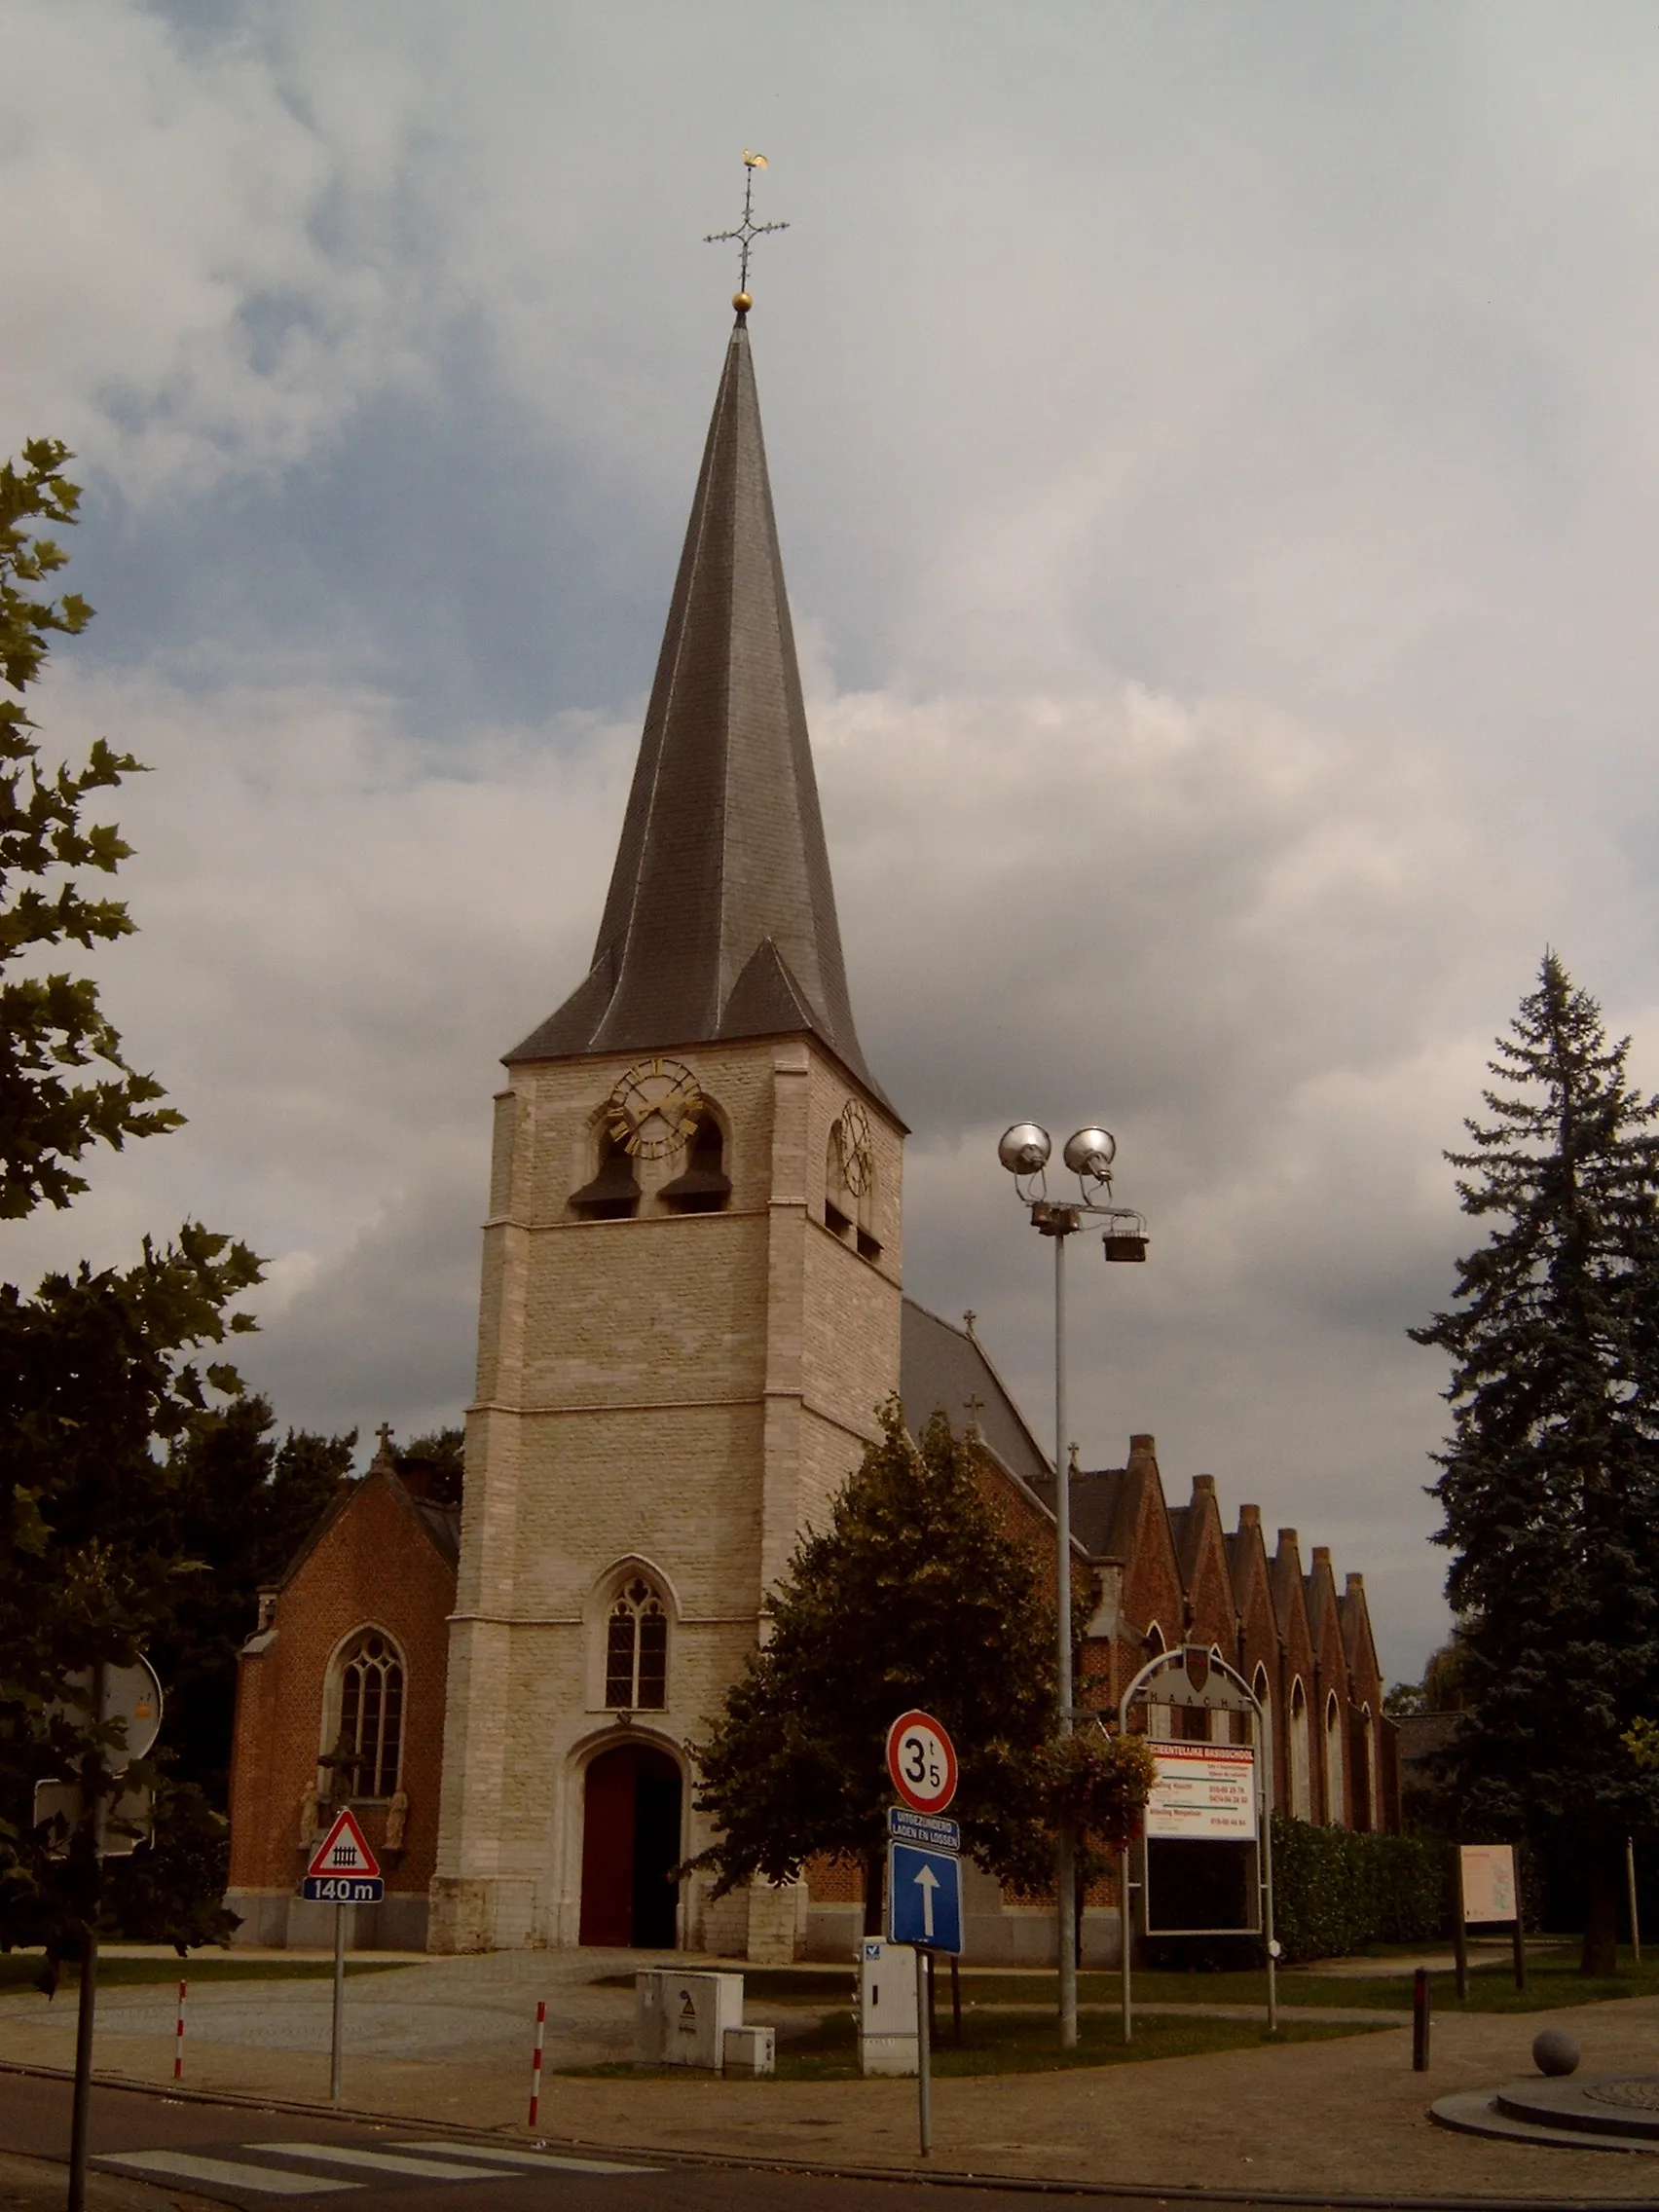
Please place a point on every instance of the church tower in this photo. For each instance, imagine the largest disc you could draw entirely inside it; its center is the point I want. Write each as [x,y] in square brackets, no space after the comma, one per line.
[691,1300]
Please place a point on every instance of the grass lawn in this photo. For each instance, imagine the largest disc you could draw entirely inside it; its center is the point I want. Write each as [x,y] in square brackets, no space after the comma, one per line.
[1013,2044]
[1553,1980]
[21,1969]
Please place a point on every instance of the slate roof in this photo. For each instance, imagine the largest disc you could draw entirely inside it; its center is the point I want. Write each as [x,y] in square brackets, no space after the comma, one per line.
[942,1366]
[720,919]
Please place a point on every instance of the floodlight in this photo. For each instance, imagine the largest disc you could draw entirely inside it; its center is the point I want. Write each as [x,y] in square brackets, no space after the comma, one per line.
[1091,1153]
[1024,1149]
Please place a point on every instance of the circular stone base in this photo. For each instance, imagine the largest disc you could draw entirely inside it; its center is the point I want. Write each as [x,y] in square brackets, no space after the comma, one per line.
[1617,2112]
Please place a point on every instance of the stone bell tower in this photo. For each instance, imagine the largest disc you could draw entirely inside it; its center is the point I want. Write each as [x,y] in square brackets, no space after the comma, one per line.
[690,1290]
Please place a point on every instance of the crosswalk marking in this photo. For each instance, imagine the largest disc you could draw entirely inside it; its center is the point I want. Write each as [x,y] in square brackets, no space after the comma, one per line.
[377,2161]
[496,2154]
[229,2173]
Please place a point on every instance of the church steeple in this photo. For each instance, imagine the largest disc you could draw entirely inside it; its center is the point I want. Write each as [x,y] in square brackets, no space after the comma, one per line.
[720,919]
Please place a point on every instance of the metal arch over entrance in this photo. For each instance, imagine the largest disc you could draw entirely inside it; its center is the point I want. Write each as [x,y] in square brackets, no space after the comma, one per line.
[1193,1676]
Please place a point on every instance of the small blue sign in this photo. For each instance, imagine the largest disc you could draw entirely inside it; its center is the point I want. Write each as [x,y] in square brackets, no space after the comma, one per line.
[924,1897]
[343,1889]
[929,1829]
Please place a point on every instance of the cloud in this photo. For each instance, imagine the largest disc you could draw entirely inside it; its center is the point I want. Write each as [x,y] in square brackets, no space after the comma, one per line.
[1218,481]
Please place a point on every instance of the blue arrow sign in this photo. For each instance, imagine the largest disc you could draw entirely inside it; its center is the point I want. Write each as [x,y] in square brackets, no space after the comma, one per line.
[924,1897]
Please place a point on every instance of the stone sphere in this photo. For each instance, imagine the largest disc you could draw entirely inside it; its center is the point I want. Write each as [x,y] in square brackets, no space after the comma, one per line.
[1555,2052]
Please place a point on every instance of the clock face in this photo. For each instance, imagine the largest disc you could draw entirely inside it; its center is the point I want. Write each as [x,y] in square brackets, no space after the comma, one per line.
[853,1144]
[654,1109]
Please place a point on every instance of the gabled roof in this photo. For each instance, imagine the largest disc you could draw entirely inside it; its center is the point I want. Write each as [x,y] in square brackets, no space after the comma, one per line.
[943,1368]
[439,1523]
[720,919]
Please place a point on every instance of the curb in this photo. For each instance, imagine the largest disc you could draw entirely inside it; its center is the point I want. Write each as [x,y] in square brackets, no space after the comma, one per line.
[1024,2184]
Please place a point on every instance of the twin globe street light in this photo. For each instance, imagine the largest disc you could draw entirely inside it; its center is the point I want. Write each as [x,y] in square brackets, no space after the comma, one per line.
[1025,1151]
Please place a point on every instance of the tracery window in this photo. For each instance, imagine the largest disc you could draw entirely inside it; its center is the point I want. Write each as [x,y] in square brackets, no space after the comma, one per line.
[369,1748]
[635,1650]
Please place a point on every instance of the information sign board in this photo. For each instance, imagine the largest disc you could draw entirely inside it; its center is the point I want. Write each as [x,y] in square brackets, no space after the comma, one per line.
[1203,1790]
[924,1897]
[925,1828]
[1488,1881]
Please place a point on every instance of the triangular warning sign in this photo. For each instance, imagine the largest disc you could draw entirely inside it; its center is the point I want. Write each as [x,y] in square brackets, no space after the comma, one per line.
[344,1849]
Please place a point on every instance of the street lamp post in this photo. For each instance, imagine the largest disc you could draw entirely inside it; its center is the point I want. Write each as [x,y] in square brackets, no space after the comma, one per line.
[1024,1152]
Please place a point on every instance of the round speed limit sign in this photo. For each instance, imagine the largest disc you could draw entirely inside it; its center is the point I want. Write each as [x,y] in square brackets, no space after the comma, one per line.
[921,1758]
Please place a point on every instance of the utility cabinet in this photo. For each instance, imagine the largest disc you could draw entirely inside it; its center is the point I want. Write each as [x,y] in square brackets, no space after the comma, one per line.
[886,2007]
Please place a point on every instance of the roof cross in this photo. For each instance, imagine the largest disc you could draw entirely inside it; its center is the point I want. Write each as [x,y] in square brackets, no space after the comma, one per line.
[384,1433]
[747,231]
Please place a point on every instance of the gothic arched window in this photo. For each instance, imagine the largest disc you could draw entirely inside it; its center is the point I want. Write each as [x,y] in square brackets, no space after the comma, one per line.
[703,1185]
[369,1748]
[1300,1781]
[1336,1811]
[636,1650]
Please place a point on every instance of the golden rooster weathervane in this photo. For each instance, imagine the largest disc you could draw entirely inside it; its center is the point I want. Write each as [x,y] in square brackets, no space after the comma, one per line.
[747,231]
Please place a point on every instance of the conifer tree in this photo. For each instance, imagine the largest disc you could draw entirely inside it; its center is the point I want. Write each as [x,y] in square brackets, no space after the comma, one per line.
[1550,1479]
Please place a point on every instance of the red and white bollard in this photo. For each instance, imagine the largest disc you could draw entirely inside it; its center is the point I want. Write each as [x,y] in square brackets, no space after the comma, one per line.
[536,2062]
[178,2038]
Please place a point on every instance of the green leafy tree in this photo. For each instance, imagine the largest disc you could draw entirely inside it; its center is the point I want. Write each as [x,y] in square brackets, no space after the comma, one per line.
[1550,1480]
[911,1596]
[101,1372]
[53,1024]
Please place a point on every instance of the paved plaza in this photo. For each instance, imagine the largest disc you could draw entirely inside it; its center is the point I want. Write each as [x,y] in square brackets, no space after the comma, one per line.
[447,2042]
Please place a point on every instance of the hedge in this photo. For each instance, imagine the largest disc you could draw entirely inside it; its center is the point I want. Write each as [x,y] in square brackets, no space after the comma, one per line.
[1336,1890]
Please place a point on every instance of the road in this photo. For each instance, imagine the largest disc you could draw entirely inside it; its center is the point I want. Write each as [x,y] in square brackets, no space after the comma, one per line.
[262,2159]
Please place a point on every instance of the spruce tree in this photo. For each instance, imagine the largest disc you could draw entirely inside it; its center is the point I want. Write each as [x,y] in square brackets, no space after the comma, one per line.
[1550,1479]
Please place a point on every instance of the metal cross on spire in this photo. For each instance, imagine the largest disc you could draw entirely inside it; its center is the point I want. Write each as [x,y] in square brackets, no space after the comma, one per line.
[747,231]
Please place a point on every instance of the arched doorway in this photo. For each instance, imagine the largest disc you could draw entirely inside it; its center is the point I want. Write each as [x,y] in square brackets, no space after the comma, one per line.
[630,1845]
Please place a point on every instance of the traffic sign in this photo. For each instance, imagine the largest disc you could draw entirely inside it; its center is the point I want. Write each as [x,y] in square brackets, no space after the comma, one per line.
[924,1897]
[343,1889]
[131,1695]
[922,1762]
[925,1828]
[343,1851]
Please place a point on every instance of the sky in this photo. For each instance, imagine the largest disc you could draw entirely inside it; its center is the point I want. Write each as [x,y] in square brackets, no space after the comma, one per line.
[1216,453]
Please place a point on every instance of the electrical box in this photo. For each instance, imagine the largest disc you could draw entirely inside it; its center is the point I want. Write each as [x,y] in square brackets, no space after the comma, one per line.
[886,2007]
[751,2050]
[680,2019]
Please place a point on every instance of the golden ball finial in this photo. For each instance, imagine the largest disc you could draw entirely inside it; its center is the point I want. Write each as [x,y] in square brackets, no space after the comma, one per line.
[742,302]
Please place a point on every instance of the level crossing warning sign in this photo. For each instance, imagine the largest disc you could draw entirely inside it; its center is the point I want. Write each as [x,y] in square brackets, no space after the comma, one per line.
[342,1870]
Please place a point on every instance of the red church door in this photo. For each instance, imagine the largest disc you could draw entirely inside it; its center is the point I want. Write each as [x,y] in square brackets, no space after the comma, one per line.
[630,1847]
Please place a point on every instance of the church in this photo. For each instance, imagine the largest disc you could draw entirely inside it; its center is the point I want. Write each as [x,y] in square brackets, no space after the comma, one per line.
[691,1307]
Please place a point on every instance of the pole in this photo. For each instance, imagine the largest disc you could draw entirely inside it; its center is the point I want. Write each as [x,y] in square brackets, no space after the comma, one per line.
[1419,2020]
[1265,1766]
[86,1843]
[1125,1929]
[924,2057]
[1459,1931]
[535,2061]
[1065,1848]
[956,2000]
[178,2038]
[1520,1938]
[339,2003]
[1629,1890]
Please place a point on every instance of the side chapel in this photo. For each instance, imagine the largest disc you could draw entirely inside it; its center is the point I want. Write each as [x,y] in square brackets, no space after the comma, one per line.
[691,1307]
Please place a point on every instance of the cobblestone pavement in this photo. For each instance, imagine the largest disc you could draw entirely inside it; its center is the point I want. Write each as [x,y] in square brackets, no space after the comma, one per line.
[447,2041]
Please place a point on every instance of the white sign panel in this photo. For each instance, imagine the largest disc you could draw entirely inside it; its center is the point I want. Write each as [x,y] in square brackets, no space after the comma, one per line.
[1488,1881]
[1203,1789]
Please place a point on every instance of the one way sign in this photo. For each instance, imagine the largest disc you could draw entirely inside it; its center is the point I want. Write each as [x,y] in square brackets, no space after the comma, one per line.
[924,1897]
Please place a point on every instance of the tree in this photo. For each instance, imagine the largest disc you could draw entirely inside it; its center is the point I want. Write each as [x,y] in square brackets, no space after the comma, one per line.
[910,1597]
[100,1372]
[53,1024]
[1550,1480]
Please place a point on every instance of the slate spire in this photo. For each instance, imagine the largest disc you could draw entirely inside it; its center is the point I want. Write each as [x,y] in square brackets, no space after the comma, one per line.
[720,919]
